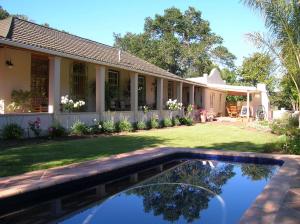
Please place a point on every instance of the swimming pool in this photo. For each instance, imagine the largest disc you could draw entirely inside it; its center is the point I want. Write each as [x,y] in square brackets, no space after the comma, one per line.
[181,189]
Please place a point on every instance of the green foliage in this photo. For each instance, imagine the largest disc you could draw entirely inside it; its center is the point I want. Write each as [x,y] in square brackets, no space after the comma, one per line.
[109,126]
[288,126]
[287,97]
[282,18]
[56,130]
[292,144]
[258,68]
[153,123]
[35,126]
[124,125]
[284,125]
[79,128]
[230,76]
[21,100]
[141,125]
[180,42]
[167,122]
[12,131]
[96,127]
[186,121]
[175,121]
[3,13]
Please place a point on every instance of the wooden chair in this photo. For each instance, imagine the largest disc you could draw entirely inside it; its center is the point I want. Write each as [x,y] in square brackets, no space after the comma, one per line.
[232,111]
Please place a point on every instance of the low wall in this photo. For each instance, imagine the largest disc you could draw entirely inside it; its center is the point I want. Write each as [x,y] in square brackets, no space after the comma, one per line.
[23,119]
[68,119]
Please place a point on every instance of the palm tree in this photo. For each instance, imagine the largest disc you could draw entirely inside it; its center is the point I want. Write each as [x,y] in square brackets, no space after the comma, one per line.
[282,18]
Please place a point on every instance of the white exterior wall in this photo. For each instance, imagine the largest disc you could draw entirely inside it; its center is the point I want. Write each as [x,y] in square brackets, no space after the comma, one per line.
[218,104]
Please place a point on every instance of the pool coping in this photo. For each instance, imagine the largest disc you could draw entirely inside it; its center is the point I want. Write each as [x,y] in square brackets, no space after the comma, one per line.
[273,205]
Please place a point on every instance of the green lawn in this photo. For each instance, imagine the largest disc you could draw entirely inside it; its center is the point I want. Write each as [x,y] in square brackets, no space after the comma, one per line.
[56,153]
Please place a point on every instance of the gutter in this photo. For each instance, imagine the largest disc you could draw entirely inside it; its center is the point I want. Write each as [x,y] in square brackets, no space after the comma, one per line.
[74,57]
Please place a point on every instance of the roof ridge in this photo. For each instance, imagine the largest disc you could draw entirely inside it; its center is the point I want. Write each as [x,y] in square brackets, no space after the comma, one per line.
[63,32]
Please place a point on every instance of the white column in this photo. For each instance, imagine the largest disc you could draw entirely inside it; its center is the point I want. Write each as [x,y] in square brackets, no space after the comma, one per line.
[192,94]
[160,93]
[248,105]
[134,92]
[54,85]
[179,92]
[100,89]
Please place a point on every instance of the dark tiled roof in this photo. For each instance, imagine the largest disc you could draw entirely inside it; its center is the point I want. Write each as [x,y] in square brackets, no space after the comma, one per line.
[28,33]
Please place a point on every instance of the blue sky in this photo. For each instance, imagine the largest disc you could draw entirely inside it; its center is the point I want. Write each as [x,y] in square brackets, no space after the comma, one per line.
[98,20]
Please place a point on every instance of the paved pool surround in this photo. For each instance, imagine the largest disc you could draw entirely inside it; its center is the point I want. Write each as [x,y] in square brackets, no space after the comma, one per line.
[279,202]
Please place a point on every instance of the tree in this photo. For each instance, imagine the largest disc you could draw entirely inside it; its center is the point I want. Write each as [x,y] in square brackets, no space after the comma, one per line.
[282,18]
[3,13]
[230,76]
[258,68]
[287,96]
[172,201]
[180,42]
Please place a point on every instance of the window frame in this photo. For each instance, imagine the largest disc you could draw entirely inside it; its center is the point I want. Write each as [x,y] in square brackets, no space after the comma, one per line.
[141,91]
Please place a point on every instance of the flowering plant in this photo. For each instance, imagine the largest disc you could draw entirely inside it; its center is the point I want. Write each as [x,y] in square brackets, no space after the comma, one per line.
[173,105]
[69,105]
[35,126]
[145,109]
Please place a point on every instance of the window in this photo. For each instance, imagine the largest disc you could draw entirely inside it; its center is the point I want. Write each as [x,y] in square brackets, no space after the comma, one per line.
[141,91]
[212,100]
[170,90]
[39,81]
[79,81]
[113,84]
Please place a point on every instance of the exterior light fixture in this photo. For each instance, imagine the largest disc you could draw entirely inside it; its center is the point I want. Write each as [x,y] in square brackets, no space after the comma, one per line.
[9,63]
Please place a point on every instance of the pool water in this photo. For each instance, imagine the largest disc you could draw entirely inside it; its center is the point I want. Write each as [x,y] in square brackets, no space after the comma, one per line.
[194,191]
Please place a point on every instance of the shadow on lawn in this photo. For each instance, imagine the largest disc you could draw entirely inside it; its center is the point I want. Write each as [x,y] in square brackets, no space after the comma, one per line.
[56,153]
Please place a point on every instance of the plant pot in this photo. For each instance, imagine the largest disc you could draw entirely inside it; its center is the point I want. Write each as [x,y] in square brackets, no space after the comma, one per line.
[202,118]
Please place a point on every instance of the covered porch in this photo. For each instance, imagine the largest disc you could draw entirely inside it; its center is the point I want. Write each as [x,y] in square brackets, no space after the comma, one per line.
[33,84]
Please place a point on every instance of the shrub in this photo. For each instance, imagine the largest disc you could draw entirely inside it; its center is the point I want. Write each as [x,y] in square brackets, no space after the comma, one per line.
[282,126]
[176,121]
[109,126]
[79,128]
[153,123]
[141,125]
[12,131]
[186,121]
[96,128]
[124,125]
[56,130]
[167,122]
[35,127]
[292,144]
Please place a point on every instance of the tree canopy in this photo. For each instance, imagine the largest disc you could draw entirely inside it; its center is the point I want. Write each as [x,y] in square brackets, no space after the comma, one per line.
[258,68]
[3,13]
[180,42]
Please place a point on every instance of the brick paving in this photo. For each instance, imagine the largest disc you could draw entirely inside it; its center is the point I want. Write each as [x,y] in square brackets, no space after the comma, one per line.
[279,202]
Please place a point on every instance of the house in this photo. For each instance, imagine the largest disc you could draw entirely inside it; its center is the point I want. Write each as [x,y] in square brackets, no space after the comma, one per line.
[113,84]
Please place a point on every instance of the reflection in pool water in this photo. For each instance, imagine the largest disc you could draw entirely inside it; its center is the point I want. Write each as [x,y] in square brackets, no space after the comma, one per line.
[192,192]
